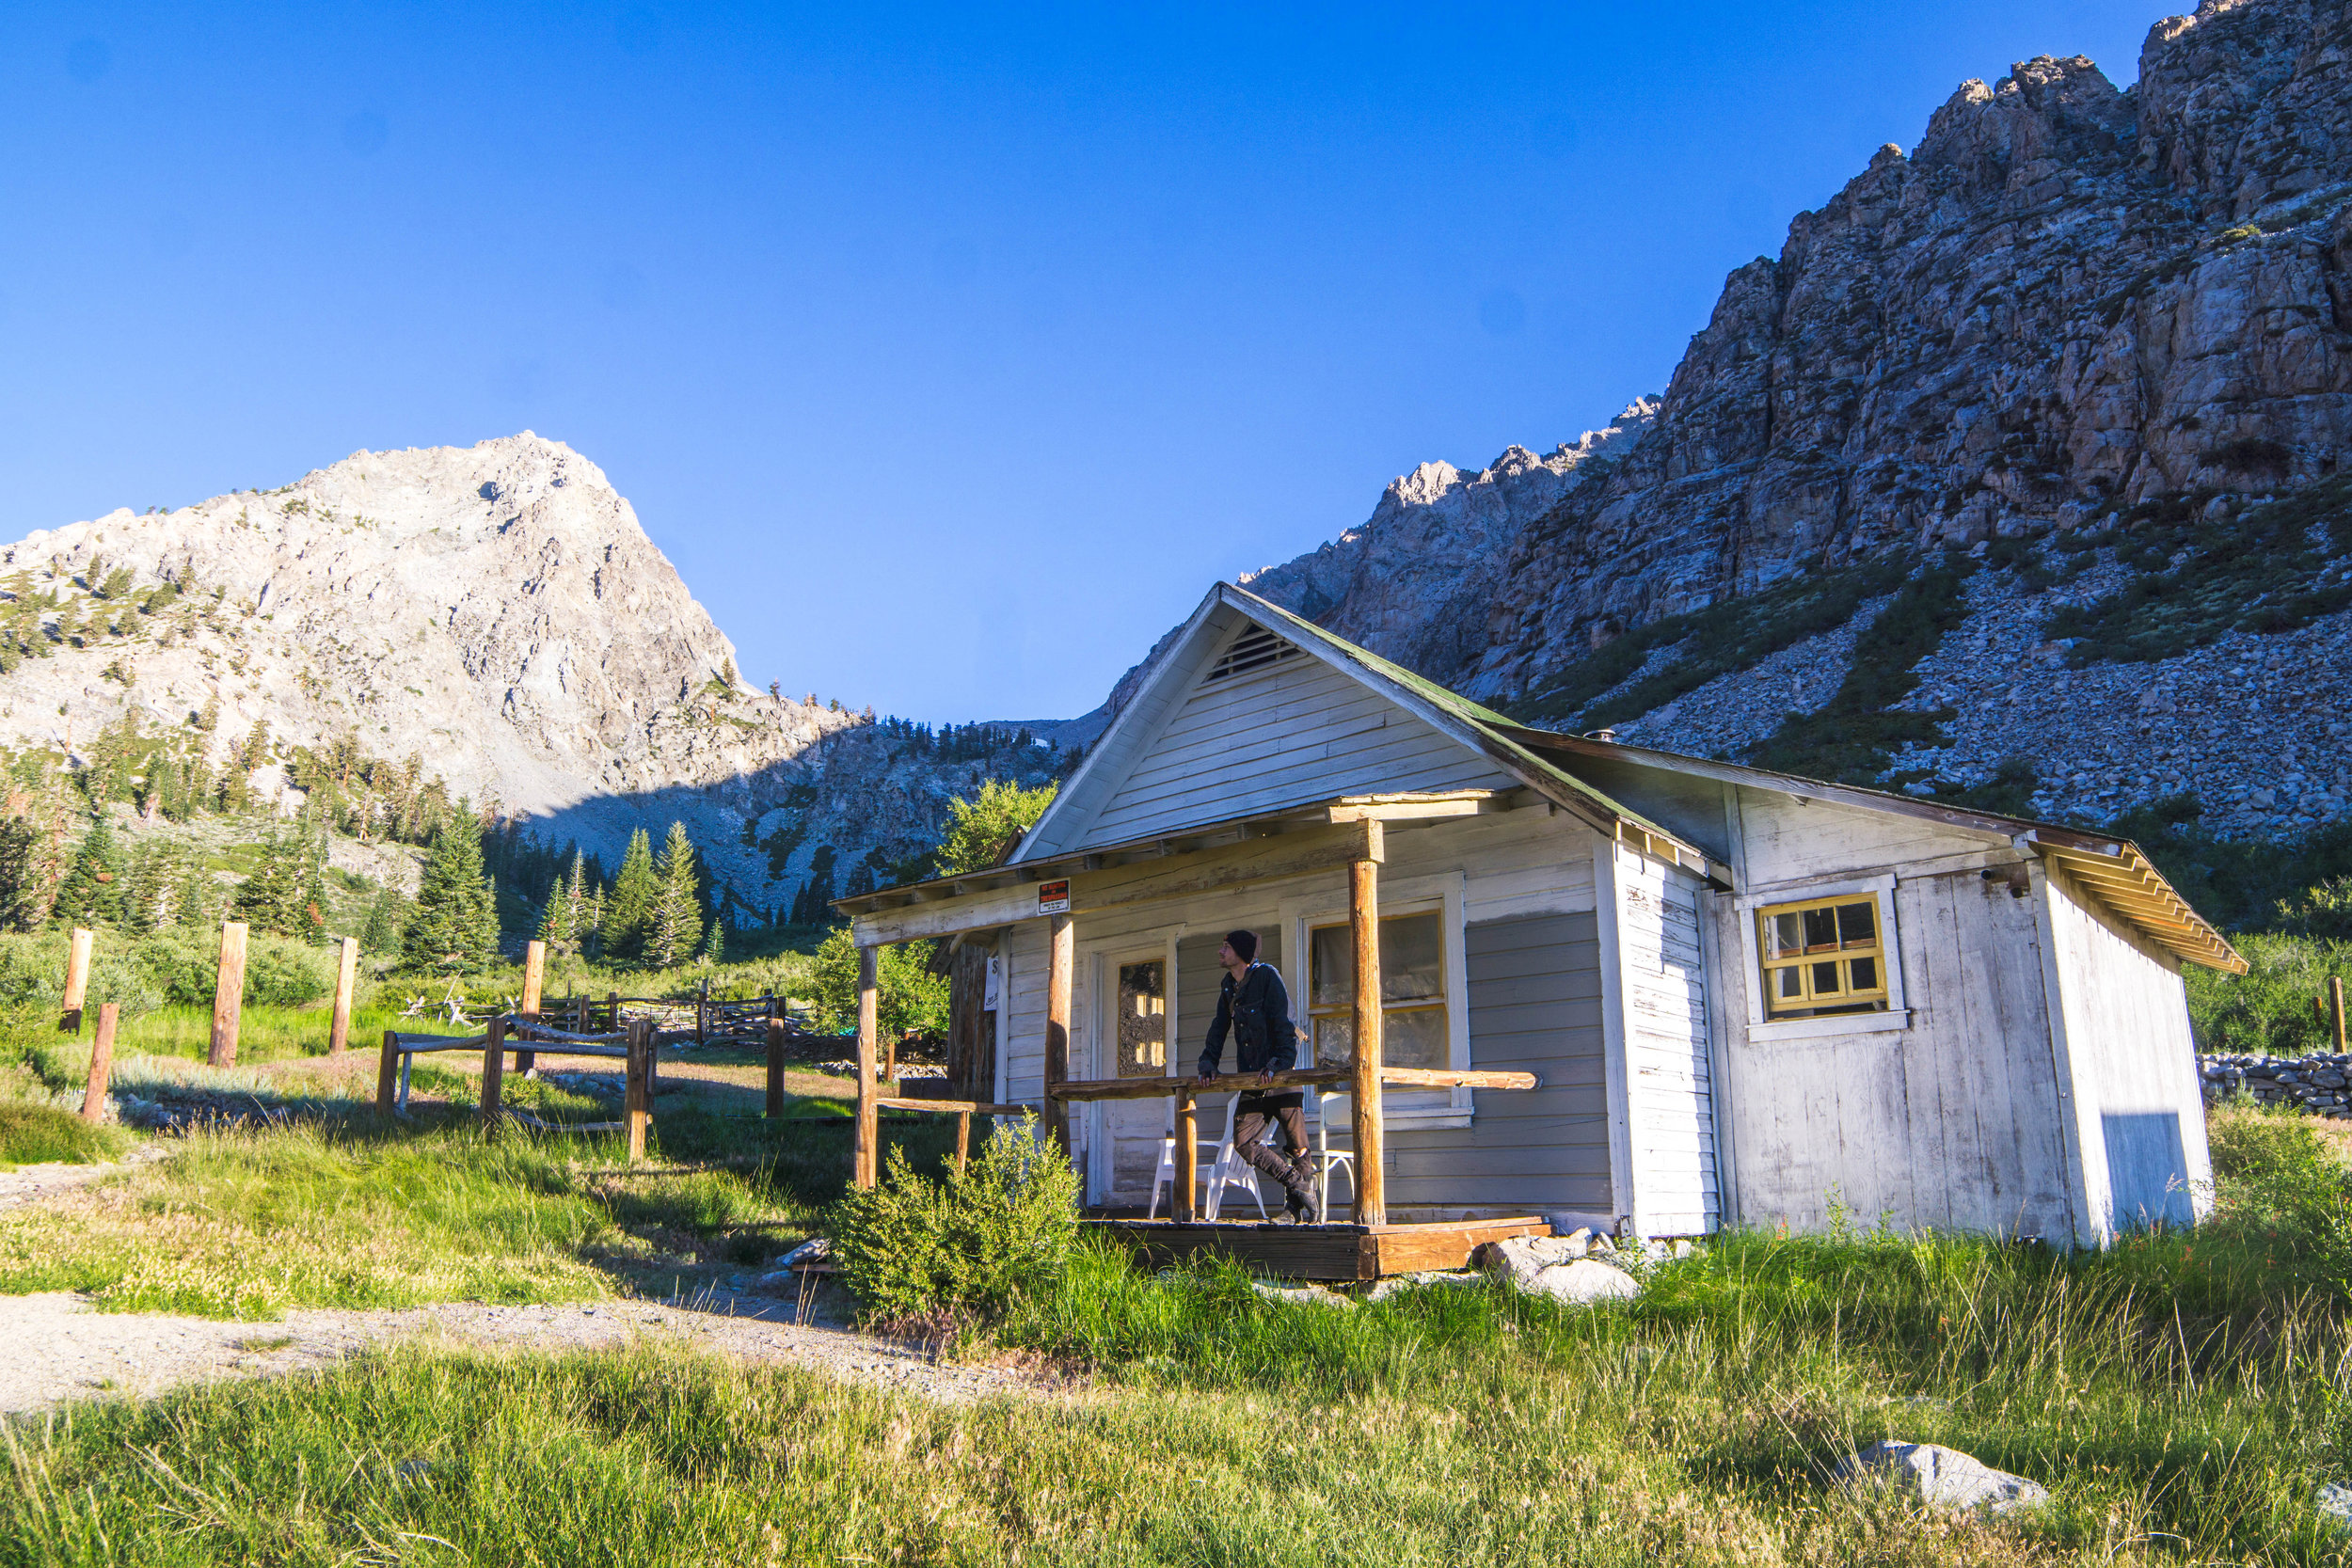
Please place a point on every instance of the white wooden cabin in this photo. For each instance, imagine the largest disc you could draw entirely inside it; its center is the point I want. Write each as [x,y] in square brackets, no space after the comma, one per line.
[1743,998]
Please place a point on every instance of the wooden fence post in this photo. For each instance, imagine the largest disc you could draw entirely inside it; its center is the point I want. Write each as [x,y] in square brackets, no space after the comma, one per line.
[638,1102]
[77,981]
[612,1006]
[963,1140]
[102,1055]
[228,994]
[346,980]
[493,1073]
[535,981]
[865,1162]
[702,1013]
[2335,1005]
[388,1073]
[775,1062]
[1363,918]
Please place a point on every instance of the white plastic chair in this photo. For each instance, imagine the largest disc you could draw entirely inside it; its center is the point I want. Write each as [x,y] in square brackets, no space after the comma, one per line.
[1325,1156]
[1226,1168]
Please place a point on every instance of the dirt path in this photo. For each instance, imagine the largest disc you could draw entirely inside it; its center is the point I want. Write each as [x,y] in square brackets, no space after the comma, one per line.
[30,1183]
[61,1349]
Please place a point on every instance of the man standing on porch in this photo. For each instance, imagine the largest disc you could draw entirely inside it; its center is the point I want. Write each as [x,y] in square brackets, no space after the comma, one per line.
[1253,1004]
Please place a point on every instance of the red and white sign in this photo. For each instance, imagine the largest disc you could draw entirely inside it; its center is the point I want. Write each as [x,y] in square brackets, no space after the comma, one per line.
[1053,897]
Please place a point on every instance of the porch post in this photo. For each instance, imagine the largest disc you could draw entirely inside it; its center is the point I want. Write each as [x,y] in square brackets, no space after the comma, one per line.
[1188,1157]
[1364,921]
[867,1162]
[1061,946]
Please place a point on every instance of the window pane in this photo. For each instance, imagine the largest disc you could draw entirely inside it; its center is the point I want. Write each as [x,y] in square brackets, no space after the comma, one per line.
[1331,952]
[1786,935]
[1412,958]
[1791,981]
[1335,1041]
[1142,1011]
[1415,1039]
[1857,924]
[1825,980]
[1865,974]
[1820,929]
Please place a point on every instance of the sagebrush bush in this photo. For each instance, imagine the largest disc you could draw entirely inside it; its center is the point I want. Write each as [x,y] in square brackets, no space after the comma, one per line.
[966,1249]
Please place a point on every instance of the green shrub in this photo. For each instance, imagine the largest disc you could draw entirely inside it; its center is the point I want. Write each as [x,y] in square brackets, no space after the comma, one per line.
[38,1135]
[966,1250]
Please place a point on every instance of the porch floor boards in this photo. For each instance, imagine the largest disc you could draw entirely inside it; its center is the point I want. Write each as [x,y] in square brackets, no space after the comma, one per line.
[1337,1252]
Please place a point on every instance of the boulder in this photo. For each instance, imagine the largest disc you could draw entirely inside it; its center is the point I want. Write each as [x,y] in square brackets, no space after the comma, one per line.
[1302,1295]
[1941,1478]
[1584,1282]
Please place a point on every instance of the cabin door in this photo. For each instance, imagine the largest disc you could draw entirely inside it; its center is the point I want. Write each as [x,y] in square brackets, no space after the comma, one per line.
[1131,1041]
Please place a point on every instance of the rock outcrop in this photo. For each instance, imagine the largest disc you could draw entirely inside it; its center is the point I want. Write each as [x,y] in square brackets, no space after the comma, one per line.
[496,612]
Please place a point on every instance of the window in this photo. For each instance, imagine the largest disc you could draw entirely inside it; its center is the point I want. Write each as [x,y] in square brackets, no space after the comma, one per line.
[1822,956]
[1143,1020]
[1413,1007]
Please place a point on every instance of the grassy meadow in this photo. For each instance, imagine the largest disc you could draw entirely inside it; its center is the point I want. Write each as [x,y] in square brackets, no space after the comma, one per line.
[2180,1395]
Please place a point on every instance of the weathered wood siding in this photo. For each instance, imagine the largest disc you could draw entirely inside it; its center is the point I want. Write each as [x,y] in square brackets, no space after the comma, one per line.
[2139,1115]
[1668,1136]
[1290,732]
[1954,1122]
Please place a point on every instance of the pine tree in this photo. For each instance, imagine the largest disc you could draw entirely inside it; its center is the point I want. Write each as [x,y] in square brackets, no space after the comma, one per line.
[196,904]
[91,892]
[455,924]
[19,842]
[629,912]
[677,916]
[381,934]
[150,899]
[715,945]
[561,927]
[287,892]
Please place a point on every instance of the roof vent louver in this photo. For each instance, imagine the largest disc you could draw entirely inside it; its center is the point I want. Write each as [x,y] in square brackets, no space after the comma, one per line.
[1252,650]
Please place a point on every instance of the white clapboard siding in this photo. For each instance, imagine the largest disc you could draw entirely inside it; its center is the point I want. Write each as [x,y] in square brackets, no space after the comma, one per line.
[1670,1112]
[2138,1114]
[1289,733]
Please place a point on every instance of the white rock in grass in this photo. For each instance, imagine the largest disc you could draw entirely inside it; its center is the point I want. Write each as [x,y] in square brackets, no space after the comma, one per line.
[1397,1283]
[2335,1504]
[1942,1478]
[1304,1295]
[1584,1282]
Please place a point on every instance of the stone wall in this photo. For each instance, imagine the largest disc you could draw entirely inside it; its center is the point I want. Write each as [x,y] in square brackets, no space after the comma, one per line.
[2319,1084]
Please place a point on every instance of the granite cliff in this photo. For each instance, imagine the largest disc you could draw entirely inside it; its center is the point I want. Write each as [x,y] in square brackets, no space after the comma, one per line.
[2097,341]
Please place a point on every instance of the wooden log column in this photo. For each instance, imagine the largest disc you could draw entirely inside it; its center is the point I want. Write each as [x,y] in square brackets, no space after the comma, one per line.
[1061,947]
[102,1058]
[228,994]
[866,1163]
[347,982]
[76,982]
[1364,921]
[1187,1156]
[2335,1006]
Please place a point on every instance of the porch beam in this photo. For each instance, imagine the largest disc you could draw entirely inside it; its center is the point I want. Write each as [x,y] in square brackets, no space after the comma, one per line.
[1363,922]
[866,1159]
[1298,1078]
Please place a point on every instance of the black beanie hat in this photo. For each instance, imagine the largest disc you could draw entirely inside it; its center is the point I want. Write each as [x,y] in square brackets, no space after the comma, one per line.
[1244,943]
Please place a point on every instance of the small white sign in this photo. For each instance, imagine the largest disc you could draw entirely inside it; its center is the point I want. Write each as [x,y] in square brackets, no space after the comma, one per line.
[1053,897]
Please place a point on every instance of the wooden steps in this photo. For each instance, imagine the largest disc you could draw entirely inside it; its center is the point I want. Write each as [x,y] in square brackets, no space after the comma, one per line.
[1343,1251]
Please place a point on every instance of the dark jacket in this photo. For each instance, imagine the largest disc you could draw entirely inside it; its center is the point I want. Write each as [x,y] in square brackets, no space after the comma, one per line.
[1258,1012]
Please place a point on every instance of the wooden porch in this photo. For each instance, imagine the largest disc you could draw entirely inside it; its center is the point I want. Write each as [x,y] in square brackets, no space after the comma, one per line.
[1359,1253]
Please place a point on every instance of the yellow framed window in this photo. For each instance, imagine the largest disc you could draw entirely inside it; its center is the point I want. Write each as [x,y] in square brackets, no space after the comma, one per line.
[1823,956]
[1412,992]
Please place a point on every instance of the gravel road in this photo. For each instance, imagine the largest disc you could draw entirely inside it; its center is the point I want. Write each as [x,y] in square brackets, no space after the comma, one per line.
[61,1349]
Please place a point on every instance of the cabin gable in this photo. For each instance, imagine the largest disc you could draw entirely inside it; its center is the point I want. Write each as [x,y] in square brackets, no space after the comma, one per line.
[1261,722]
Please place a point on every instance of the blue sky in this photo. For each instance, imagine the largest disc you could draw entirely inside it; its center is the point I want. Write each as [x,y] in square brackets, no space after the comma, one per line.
[949,351]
